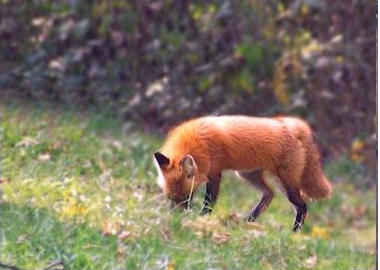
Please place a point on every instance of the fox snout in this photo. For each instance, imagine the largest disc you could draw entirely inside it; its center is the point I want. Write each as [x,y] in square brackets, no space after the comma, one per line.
[180,203]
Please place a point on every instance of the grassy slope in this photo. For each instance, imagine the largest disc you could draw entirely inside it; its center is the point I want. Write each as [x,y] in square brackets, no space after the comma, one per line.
[76,189]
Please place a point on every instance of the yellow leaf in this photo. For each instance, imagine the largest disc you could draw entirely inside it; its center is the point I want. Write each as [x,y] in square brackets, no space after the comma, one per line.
[357,157]
[73,208]
[280,86]
[170,266]
[299,237]
[357,145]
[305,9]
[339,59]
[320,232]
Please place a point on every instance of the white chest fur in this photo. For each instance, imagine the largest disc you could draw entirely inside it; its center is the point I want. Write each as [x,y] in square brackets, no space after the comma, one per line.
[160,178]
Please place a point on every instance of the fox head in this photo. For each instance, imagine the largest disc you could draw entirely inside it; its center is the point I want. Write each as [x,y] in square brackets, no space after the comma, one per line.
[178,179]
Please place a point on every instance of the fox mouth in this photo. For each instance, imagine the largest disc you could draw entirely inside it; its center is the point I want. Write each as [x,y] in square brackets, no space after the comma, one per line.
[182,203]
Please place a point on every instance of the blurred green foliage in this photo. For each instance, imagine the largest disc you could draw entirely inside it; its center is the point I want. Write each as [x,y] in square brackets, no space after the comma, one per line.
[159,62]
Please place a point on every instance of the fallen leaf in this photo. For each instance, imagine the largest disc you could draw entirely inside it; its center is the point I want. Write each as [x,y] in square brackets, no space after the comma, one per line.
[319,232]
[73,207]
[118,145]
[265,263]
[27,141]
[254,226]
[56,145]
[360,211]
[102,166]
[235,218]
[21,238]
[357,145]
[170,266]
[165,234]
[44,157]
[138,195]
[121,251]
[220,237]
[110,228]
[203,223]
[4,180]
[299,237]
[357,157]
[311,262]
[256,233]
[124,235]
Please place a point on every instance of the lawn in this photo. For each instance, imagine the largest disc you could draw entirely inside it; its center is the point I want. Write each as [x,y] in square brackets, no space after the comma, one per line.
[79,190]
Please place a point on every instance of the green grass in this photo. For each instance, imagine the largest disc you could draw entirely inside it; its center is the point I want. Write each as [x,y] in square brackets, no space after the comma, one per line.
[78,190]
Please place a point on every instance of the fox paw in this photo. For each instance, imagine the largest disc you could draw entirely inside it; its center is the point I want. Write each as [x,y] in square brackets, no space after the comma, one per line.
[206,211]
[297,227]
[251,218]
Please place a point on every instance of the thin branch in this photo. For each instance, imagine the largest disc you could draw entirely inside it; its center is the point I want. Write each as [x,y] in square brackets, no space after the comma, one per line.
[11,267]
[50,266]
[54,264]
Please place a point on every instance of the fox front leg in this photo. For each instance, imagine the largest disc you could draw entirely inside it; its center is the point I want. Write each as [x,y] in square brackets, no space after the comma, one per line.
[211,195]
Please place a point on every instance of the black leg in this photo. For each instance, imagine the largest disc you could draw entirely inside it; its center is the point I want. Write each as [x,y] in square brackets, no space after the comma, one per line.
[212,191]
[263,204]
[301,208]
[256,179]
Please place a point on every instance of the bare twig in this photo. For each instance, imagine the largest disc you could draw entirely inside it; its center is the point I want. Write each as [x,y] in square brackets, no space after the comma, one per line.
[11,267]
[54,264]
[50,266]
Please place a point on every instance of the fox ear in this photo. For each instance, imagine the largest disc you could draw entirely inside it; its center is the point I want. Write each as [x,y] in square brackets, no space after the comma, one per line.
[188,165]
[162,160]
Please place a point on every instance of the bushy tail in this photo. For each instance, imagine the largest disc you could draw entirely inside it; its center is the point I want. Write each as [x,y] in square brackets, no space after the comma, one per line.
[314,182]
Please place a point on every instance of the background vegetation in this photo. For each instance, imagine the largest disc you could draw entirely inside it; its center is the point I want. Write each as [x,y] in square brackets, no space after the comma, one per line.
[88,88]
[159,62]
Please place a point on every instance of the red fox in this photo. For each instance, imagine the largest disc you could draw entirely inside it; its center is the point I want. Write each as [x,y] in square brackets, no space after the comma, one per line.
[199,150]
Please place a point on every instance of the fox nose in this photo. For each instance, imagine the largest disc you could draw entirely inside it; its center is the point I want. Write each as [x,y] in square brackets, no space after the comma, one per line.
[181,202]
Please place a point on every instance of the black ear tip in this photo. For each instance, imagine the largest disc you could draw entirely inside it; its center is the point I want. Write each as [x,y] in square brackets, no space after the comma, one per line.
[161,159]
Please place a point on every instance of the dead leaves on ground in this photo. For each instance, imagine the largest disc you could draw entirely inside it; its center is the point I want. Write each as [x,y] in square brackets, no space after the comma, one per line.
[311,262]
[27,141]
[207,226]
[44,157]
[116,229]
[4,180]
[218,229]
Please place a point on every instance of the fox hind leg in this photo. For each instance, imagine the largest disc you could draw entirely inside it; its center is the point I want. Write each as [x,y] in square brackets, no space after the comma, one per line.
[256,179]
[293,193]
[295,198]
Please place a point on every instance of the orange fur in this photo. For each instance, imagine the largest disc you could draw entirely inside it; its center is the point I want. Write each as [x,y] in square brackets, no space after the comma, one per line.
[281,145]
